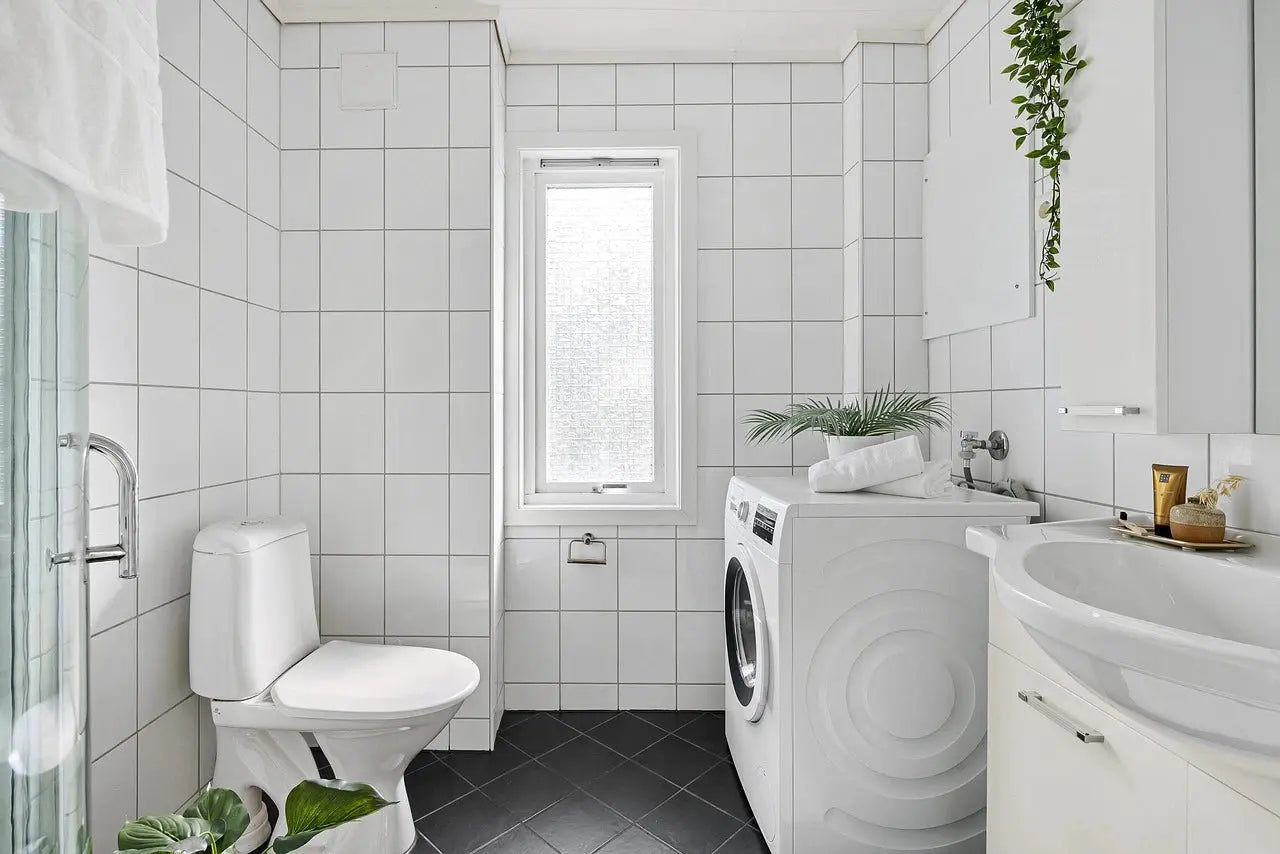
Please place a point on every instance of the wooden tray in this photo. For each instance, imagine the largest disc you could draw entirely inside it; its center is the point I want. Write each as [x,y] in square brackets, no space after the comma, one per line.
[1231,544]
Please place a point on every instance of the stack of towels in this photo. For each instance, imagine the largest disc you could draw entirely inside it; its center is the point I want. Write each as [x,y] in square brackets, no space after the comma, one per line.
[891,468]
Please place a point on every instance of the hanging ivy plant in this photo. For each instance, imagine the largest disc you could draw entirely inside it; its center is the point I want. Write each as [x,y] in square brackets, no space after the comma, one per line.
[1043,67]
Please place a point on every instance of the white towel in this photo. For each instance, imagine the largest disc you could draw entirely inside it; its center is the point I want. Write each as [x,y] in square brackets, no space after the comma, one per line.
[933,482]
[868,467]
[80,112]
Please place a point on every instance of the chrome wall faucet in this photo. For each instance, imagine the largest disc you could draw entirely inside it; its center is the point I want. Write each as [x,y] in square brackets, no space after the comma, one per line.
[996,444]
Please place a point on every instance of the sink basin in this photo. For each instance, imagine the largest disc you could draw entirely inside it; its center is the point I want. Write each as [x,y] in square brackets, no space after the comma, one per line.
[1188,641]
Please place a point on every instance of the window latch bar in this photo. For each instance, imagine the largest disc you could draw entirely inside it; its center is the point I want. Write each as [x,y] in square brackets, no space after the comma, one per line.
[599,162]
[609,487]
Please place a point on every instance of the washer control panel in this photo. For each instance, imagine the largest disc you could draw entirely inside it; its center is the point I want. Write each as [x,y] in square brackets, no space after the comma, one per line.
[764,523]
[751,518]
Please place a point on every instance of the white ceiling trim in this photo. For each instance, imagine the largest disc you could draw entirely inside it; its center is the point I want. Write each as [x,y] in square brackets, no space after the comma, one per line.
[349,11]
[587,57]
[346,11]
[940,20]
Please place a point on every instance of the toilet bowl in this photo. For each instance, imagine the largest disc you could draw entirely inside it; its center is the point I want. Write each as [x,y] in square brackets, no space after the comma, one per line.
[256,655]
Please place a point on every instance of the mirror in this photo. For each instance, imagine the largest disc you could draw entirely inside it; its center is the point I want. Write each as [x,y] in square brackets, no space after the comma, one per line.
[1266,94]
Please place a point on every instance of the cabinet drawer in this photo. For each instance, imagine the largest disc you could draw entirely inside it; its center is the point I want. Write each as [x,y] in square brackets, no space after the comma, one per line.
[1050,792]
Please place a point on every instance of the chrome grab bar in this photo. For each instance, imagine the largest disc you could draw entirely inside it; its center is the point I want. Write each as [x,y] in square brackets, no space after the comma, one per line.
[1059,717]
[125,550]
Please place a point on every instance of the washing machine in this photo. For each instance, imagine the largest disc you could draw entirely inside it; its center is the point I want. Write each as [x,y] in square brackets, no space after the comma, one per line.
[855,665]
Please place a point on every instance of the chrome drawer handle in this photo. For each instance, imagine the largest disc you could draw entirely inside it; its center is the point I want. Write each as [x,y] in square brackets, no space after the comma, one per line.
[1100,411]
[1041,705]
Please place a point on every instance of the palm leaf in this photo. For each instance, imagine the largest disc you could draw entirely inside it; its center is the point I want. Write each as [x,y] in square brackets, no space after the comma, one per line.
[881,413]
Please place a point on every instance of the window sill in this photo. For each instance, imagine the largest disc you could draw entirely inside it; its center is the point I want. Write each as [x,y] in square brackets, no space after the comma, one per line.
[586,516]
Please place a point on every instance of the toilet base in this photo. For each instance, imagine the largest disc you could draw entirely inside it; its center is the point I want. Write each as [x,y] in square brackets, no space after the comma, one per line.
[271,761]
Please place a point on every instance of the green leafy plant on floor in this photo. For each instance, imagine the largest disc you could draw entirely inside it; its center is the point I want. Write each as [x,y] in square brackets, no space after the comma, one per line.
[218,818]
[879,414]
[1043,67]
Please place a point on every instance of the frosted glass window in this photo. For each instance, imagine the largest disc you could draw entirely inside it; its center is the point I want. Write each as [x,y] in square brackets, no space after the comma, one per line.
[598,342]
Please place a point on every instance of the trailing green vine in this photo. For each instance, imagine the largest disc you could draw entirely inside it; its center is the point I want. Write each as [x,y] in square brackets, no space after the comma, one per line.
[1043,68]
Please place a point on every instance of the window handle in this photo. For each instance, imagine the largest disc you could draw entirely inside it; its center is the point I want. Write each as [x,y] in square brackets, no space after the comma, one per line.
[609,487]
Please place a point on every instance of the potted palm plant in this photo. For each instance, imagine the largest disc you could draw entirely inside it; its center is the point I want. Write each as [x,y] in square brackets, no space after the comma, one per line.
[850,426]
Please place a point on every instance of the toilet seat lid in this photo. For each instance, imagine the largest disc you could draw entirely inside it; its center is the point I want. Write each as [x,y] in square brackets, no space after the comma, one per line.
[369,681]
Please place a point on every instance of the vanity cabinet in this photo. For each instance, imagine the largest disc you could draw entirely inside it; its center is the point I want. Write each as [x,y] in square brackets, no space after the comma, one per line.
[1153,316]
[1137,791]
[1048,792]
[1220,820]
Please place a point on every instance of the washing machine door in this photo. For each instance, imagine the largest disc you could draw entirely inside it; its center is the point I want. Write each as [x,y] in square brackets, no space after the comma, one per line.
[746,635]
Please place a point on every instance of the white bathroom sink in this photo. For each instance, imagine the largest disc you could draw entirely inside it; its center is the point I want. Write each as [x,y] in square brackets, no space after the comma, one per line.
[1186,640]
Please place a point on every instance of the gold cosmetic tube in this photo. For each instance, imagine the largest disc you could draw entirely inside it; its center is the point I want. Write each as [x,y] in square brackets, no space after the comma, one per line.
[1169,484]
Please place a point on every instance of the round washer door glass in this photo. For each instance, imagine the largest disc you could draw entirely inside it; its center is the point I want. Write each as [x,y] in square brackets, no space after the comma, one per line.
[746,636]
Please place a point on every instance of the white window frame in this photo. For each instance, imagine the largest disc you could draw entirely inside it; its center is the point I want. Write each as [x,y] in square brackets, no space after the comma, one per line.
[671,498]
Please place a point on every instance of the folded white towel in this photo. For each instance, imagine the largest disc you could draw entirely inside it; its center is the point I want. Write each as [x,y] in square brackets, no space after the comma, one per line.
[80,107]
[933,482]
[868,467]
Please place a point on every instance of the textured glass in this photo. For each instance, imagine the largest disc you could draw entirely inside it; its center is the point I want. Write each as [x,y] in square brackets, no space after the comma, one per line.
[599,346]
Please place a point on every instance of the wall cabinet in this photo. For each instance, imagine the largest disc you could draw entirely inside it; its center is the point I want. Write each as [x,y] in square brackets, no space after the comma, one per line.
[1154,311]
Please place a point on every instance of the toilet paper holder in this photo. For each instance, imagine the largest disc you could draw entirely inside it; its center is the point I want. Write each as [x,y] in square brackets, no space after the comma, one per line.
[588,549]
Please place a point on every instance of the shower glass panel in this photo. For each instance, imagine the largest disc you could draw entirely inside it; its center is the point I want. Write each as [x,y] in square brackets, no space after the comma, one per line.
[43,607]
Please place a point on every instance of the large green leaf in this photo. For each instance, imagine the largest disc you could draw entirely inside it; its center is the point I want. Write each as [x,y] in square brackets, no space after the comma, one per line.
[157,834]
[226,815]
[315,806]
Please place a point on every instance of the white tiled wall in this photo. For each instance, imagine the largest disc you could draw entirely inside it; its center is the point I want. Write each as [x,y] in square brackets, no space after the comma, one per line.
[645,631]
[1006,376]
[886,138]
[386,327]
[183,354]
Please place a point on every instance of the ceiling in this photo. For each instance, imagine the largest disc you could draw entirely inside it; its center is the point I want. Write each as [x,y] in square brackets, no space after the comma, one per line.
[659,30]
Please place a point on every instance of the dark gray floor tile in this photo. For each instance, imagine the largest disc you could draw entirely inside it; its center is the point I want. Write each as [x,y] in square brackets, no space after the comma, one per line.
[422,760]
[689,825]
[322,764]
[579,824]
[720,787]
[519,840]
[670,721]
[466,824]
[627,734]
[540,734]
[635,841]
[510,720]
[423,846]
[432,787]
[631,790]
[708,733]
[745,841]
[585,721]
[480,766]
[528,789]
[672,758]
[582,760]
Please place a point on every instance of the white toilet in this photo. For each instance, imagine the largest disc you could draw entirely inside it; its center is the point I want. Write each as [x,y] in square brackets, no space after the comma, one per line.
[256,654]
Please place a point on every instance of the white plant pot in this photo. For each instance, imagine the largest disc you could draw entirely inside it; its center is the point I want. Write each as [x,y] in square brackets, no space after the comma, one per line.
[838,446]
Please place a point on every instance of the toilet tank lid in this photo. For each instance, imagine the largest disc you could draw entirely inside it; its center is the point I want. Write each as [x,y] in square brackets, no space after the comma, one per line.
[245,535]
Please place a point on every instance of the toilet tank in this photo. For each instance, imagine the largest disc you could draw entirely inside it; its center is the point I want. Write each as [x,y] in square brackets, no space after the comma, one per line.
[253,613]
